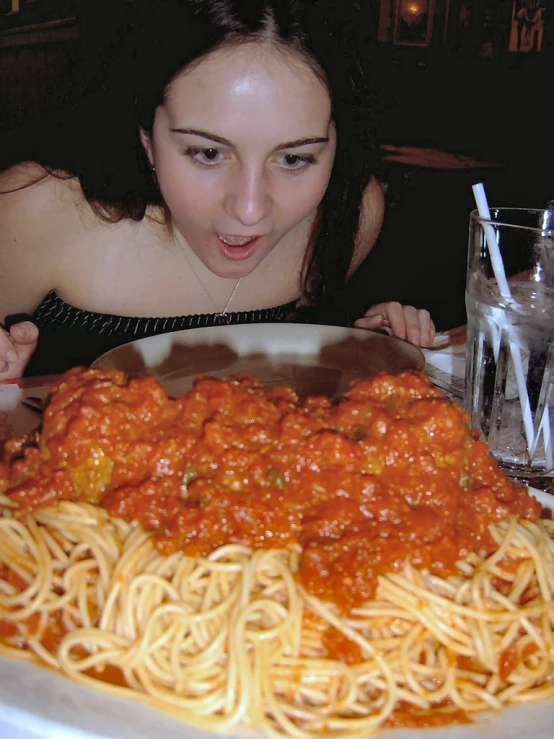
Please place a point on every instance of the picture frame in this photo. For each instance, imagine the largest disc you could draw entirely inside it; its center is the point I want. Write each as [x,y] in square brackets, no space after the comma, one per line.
[384,27]
[527,26]
[413,22]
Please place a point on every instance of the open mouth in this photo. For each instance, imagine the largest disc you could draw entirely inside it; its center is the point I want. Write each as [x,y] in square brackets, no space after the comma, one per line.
[238,247]
[237,240]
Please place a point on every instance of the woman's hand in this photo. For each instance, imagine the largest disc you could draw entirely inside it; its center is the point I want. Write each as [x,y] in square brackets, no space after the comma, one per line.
[16,348]
[403,321]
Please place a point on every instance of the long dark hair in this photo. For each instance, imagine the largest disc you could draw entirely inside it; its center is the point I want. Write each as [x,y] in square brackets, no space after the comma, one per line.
[99,142]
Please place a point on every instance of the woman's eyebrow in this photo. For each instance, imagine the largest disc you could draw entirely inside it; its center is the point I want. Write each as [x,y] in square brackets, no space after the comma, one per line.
[303,142]
[226,142]
[203,134]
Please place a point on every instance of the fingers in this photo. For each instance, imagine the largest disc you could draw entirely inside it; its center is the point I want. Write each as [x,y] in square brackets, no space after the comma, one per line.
[395,315]
[428,331]
[372,322]
[405,322]
[6,347]
[24,334]
[419,328]
[385,315]
[16,348]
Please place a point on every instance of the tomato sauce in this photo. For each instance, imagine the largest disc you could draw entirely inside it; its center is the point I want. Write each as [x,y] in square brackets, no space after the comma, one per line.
[389,473]
[340,647]
[409,717]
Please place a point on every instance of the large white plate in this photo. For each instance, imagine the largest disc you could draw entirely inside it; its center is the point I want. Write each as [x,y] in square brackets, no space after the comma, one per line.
[315,360]
[36,702]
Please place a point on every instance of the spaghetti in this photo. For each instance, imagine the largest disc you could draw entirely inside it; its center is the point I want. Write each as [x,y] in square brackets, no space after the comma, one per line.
[254,630]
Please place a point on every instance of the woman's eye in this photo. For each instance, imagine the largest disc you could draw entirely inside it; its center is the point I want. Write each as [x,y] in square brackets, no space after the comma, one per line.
[297,161]
[207,156]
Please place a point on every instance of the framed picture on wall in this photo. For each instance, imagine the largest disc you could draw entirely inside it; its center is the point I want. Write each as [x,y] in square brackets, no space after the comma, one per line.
[384,30]
[413,24]
[527,29]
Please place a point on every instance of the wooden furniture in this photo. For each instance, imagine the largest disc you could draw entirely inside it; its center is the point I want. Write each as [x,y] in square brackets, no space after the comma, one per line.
[428,158]
[41,68]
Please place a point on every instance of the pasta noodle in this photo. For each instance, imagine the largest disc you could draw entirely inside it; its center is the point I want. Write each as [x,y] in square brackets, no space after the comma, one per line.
[237,635]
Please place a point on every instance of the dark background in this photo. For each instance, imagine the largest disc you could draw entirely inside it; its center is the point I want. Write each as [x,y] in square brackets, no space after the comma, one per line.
[465,92]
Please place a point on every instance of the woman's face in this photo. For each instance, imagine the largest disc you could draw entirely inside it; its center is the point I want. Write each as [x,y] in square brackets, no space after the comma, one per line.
[243,148]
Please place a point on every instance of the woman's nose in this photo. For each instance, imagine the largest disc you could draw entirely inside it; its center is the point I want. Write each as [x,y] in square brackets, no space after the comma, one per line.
[248,198]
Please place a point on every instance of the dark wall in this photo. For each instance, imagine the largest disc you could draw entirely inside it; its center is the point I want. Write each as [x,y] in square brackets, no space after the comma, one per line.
[499,110]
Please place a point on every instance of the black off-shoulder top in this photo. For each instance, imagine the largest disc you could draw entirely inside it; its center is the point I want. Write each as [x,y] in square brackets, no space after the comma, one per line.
[70,336]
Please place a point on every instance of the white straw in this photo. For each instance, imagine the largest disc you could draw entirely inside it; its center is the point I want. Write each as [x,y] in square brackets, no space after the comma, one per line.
[490,235]
[500,276]
[545,428]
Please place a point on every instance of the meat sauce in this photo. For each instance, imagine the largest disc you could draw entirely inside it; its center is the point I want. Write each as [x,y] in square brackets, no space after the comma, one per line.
[388,473]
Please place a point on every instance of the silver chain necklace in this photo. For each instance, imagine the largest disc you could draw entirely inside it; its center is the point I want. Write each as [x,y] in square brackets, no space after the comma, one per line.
[221,315]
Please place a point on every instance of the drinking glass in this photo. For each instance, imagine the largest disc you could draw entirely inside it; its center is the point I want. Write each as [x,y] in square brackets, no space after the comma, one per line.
[509,370]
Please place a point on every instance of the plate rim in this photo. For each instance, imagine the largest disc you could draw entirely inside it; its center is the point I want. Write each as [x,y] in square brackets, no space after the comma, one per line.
[404,347]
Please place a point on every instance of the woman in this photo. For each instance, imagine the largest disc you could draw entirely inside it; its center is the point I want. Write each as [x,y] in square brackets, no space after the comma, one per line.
[227,179]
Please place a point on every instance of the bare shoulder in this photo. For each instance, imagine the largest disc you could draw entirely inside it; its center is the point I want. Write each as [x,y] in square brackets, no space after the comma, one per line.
[37,212]
[37,209]
[371,220]
[30,184]
[20,176]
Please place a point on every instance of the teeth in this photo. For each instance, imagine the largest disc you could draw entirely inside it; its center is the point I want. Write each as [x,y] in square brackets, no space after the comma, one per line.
[236,240]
